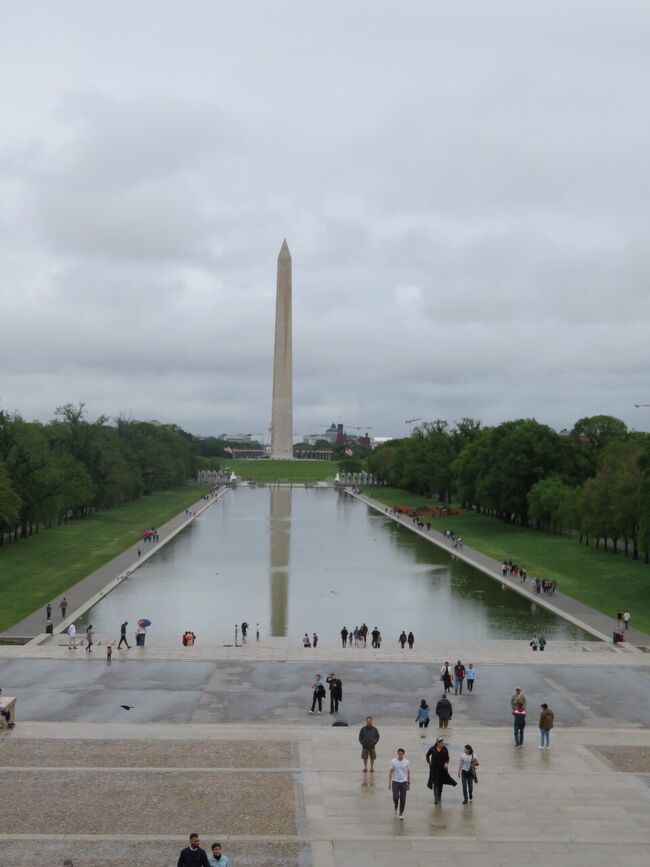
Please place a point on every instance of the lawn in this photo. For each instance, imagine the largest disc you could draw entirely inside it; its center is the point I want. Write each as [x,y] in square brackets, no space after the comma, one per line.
[289,471]
[608,582]
[36,570]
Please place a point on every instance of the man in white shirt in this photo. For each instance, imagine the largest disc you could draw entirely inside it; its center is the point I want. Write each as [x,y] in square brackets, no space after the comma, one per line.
[72,631]
[399,782]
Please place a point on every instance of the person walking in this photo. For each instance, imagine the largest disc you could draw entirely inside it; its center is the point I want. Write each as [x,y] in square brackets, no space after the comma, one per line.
[411,640]
[626,620]
[445,677]
[402,639]
[471,677]
[443,711]
[244,631]
[217,858]
[533,642]
[368,738]
[89,637]
[63,605]
[546,720]
[314,640]
[318,689]
[48,611]
[423,716]
[518,705]
[438,761]
[123,636]
[375,636]
[399,782]
[542,643]
[344,636]
[336,691]
[466,771]
[72,631]
[305,641]
[193,855]
[459,677]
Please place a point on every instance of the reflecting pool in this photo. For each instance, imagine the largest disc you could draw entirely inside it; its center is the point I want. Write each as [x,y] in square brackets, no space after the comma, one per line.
[296,561]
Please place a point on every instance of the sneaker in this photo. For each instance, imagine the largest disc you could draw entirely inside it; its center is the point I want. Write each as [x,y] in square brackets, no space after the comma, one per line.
[401,816]
[396,812]
[320,711]
[542,748]
[470,797]
[465,801]
[311,711]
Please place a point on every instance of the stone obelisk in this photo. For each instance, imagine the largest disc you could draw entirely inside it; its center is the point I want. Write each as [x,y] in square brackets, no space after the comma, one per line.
[282,413]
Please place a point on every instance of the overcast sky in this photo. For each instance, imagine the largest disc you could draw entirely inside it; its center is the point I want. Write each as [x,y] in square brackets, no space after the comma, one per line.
[464,188]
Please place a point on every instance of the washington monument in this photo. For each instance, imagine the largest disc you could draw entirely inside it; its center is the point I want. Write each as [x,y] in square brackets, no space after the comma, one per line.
[282,413]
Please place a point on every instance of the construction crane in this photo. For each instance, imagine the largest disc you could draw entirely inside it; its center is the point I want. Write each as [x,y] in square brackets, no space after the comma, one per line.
[411,420]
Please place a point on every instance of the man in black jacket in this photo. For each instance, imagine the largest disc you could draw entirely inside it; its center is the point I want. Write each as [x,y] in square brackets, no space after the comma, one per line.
[336,692]
[193,855]
[443,712]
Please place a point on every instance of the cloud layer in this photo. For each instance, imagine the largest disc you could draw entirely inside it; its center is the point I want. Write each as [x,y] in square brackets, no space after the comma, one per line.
[463,188]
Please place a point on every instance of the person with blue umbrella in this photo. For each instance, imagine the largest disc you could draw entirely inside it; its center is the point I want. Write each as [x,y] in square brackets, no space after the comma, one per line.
[141,632]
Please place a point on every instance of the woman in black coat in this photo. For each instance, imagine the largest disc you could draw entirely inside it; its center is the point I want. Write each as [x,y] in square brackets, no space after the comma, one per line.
[438,759]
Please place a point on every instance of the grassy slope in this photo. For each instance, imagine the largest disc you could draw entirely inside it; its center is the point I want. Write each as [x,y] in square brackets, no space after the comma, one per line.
[607,582]
[37,570]
[290,471]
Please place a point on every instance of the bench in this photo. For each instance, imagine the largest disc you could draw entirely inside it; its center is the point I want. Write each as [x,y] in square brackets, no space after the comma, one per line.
[8,703]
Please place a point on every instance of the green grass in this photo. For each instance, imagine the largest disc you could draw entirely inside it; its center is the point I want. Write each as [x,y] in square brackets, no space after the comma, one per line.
[607,582]
[290,471]
[37,570]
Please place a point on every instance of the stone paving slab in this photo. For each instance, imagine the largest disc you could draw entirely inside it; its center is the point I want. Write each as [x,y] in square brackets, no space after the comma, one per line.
[104,802]
[78,753]
[149,853]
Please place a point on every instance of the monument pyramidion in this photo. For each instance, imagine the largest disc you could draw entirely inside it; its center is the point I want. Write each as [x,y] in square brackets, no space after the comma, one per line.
[282,411]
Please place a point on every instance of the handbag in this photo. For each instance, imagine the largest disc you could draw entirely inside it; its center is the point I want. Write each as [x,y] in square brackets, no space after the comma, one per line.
[474,765]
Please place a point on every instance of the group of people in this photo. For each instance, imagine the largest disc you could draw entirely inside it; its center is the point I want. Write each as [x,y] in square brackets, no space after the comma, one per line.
[536,642]
[188,638]
[310,642]
[399,773]
[460,675]
[358,637]
[335,686]
[539,585]
[151,535]
[452,537]
[406,639]
[546,720]
[195,855]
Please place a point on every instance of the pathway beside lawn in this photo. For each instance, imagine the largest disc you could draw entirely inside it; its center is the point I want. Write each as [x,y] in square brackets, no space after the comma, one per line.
[582,615]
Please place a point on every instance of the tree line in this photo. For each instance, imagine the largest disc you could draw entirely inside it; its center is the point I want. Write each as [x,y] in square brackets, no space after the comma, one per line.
[593,480]
[51,473]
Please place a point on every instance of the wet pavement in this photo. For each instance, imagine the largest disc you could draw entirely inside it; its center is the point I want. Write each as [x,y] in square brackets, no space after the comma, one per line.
[267,693]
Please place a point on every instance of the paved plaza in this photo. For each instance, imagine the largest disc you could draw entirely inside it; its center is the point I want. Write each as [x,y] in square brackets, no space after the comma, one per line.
[225,745]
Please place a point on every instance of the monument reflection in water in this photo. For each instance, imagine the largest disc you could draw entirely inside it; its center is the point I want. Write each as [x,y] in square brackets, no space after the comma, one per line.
[280,549]
[310,560]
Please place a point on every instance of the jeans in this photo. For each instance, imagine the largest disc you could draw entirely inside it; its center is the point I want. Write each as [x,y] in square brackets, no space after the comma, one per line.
[425,724]
[468,784]
[470,684]
[458,685]
[334,704]
[520,725]
[437,794]
[317,698]
[545,737]
[399,795]
[123,639]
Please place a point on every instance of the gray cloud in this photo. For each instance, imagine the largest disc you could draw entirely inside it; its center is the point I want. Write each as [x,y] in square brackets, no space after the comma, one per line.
[463,189]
